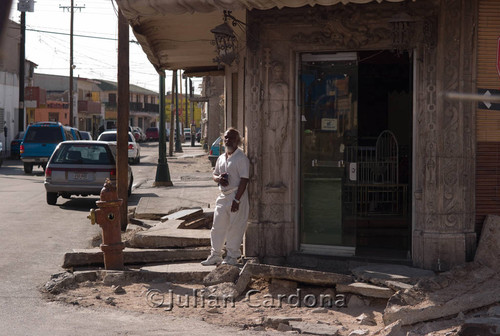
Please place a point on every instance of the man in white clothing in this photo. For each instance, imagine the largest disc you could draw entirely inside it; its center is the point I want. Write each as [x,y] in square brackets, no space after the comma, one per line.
[231,173]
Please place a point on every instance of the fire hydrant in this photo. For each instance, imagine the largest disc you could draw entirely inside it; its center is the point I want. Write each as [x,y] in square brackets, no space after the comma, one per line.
[108,218]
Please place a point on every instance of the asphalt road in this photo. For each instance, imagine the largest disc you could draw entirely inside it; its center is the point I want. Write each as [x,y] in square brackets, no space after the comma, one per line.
[33,239]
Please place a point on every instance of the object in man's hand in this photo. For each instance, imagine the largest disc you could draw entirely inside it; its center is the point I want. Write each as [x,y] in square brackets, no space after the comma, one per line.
[224,179]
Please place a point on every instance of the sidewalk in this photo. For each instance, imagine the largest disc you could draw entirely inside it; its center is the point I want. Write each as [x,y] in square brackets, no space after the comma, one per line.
[189,190]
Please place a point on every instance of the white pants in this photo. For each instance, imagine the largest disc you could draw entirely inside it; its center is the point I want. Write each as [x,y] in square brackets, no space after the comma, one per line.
[229,227]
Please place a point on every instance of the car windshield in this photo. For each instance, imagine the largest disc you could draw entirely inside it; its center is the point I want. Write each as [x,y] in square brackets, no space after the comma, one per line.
[44,134]
[107,137]
[112,137]
[92,154]
[85,135]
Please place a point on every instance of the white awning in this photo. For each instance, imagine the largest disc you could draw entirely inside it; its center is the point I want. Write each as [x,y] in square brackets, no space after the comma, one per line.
[155,7]
[175,34]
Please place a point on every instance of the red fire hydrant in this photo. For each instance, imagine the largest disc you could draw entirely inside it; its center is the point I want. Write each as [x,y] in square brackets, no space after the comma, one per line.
[108,218]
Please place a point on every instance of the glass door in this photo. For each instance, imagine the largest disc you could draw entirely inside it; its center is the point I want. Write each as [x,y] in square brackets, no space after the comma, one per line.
[328,151]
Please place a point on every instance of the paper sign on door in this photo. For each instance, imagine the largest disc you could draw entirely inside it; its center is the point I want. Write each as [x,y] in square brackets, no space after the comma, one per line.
[353,168]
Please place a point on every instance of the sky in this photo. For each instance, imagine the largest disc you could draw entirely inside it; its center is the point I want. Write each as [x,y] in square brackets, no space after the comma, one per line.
[94,53]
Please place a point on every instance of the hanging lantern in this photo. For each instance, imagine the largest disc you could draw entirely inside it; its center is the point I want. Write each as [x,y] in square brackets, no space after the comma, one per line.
[225,43]
[402,31]
[225,40]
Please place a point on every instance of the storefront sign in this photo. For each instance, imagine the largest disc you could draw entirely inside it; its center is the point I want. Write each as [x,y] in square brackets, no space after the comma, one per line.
[328,124]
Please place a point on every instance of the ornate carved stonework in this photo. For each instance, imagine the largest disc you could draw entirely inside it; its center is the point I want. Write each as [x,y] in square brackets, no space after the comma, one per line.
[338,30]
[443,166]
[444,189]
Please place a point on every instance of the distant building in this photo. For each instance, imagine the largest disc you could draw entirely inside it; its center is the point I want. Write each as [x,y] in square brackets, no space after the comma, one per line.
[143,108]
[9,83]
[96,102]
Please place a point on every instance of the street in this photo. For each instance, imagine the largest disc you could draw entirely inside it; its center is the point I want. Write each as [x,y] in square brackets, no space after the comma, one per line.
[34,237]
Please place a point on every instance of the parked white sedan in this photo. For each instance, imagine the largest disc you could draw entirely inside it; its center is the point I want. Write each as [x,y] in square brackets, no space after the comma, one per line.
[134,150]
[81,168]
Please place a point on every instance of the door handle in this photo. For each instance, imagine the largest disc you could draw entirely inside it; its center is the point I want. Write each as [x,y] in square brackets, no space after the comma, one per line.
[328,164]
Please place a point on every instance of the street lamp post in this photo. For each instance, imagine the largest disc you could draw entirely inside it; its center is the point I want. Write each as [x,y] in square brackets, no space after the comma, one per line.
[162,171]
[178,146]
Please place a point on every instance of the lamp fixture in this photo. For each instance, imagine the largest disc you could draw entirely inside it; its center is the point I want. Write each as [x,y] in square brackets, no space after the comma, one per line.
[402,31]
[225,42]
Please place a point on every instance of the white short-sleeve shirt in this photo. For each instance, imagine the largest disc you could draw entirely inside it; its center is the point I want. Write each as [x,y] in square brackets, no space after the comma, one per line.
[237,166]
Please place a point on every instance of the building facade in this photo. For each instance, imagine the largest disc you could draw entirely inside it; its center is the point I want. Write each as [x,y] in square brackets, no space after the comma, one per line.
[372,159]
[143,107]
[358,119]
[10,110]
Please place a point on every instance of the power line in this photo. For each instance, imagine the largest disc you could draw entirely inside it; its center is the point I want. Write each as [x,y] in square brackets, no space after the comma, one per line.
[86,36]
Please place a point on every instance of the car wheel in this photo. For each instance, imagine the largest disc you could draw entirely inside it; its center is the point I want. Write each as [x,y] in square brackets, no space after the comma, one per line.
[51,198]
[28,168]
[138,159]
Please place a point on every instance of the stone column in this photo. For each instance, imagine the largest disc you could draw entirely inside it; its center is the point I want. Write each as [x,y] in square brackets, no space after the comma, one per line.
[253,241]
[444,185]
[214,90]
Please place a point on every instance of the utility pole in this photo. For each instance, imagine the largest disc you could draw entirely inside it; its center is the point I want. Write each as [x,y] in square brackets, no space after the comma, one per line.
[22,56]
[71,9]
[123,115]
[23,6]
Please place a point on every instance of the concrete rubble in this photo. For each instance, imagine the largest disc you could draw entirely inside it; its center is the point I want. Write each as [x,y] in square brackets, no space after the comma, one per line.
[464,288]
[170,244]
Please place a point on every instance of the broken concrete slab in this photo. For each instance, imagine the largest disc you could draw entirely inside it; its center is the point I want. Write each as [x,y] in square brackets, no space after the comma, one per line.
[87,257]
[379,274]
[172,224]
[196,224]
[298,275]
[464,288]
[288,273]
[315,329]
[180,272]
[365,289]
[184,215]
[356,301]
[224,291]
[244,278]
[366,319]
[274,321]
[221,274]
[166,236]
[181,192]
[484,326]
[488,250]
[143,223]
[397,285]
[393,329]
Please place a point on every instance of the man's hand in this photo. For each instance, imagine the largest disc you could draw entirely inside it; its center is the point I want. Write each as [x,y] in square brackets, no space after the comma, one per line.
[235,206]
[223,180]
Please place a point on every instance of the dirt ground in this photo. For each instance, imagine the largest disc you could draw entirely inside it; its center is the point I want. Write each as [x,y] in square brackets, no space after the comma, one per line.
[253,308]
[249,311]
